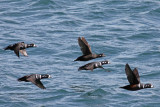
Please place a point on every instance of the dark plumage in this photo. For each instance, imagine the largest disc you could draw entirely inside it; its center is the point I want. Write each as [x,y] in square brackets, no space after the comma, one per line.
[93,65]
[19,47]
[86,50]
[35,79]
[134,80]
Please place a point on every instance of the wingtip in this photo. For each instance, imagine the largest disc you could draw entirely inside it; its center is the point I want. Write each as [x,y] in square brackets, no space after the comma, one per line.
[79,38]
[127,65]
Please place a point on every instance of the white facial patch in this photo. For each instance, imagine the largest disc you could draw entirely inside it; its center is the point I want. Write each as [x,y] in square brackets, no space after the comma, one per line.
[40,76]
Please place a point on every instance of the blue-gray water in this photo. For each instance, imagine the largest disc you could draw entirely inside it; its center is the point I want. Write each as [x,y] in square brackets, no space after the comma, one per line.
[127,31]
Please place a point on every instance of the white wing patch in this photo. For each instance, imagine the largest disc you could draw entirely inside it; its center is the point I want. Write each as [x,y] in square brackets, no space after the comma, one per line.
[23,52]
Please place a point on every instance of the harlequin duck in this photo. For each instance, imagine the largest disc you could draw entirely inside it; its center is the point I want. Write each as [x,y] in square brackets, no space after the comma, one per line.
[35,79]
[19,47]
[134,80]
[93,65]
[86,50]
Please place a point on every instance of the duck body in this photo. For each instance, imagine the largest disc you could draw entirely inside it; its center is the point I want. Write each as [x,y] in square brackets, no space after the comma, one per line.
[35,79]
[86,50]
[93,65]
[88,57]
[136,87]
[19,47]
[134,80]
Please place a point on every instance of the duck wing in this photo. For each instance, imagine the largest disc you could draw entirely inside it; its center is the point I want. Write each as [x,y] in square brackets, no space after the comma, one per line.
[85,47]
[135,71]
[132,79]
[23,52]
[90,66]
[37,82]
[16,49]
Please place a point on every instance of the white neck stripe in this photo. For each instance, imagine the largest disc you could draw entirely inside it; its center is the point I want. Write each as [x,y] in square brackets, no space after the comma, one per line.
[36,76]
[96,65]
[100,63]
[139,85]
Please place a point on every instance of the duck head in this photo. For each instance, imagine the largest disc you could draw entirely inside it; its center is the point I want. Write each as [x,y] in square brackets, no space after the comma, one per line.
[148,85]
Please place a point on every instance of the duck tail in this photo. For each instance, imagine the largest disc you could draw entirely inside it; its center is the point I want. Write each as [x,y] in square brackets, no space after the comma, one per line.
[81,68]
[22,79]
[7,48]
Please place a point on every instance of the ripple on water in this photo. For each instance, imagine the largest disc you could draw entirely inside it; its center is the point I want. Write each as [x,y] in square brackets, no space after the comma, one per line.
[95,93]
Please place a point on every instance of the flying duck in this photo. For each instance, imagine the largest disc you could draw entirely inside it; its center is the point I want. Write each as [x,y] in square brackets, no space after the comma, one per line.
[19,47]
[93,65]
[134,80]
[35,79]
[86,50]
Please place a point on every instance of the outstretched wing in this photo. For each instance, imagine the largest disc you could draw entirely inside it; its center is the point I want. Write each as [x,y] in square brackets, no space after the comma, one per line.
[37,82]
[16,49]
[90,66]
[132,79]
[85,47]
[135,71]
